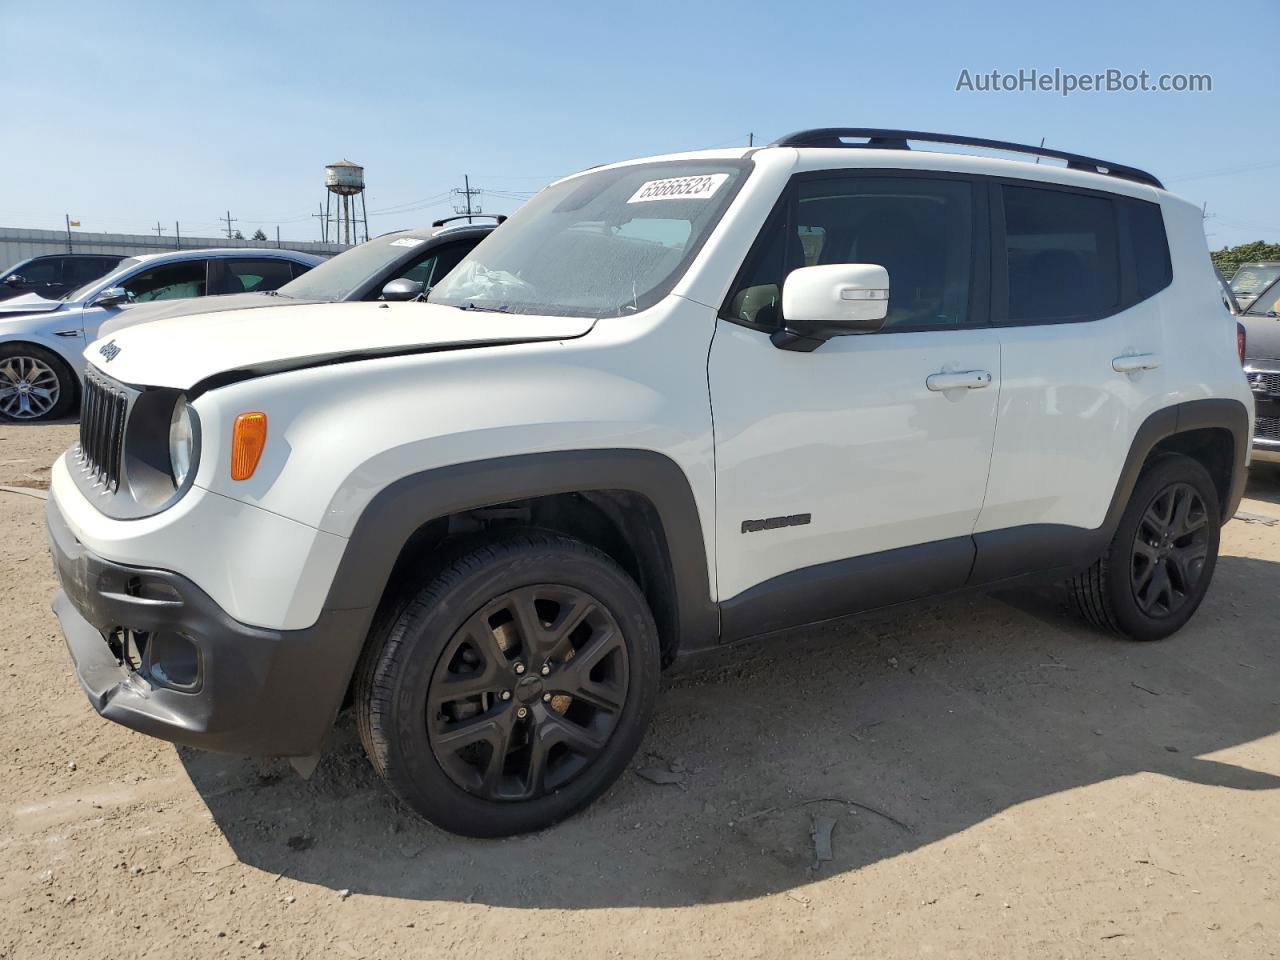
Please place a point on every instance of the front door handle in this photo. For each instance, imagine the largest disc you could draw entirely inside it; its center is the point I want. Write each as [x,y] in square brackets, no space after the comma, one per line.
[965,380]
[1133,362]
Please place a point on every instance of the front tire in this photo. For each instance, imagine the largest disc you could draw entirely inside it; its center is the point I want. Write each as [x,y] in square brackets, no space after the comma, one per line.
[36,385]
[1160,562]
[513,688]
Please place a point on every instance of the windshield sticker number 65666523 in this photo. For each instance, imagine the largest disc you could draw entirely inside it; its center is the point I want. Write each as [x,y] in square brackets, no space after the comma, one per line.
[679,188]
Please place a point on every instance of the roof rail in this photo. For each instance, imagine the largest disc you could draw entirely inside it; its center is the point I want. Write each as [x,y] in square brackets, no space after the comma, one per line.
[500,217]
[897,140]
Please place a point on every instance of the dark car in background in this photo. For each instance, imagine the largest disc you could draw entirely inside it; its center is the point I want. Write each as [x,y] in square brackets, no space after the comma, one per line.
[395,266]
[1260,317]
[54,275]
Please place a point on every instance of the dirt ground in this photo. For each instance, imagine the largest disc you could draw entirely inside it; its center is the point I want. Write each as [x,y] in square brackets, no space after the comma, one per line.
[999,780]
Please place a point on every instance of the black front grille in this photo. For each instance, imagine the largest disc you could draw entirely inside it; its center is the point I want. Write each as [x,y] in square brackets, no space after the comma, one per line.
[1267,428]
[102,419]
[1265,382]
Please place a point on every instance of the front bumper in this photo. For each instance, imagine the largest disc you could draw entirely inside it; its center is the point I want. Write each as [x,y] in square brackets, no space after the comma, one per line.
[193,674]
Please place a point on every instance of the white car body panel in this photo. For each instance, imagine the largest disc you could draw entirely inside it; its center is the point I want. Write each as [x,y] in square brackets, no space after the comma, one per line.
[849,432]
[270,570]
[238,339]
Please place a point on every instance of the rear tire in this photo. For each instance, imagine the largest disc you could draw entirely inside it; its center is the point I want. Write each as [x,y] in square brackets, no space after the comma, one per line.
[36,385]
[1158,566]
[513,688]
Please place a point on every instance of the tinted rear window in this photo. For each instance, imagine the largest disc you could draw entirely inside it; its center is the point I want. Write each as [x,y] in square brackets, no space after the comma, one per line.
[1152,267]
[1063,254]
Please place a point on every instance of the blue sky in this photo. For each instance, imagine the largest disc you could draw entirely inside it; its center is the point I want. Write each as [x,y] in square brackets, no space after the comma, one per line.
[128,113]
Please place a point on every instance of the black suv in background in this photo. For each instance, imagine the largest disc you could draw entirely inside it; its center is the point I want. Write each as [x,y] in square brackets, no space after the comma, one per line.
[55,275]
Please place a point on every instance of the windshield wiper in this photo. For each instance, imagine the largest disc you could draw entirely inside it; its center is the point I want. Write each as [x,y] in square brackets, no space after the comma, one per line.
[469,305]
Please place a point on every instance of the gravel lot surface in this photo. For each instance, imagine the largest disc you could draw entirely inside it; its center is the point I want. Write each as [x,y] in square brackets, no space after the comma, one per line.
[996,779]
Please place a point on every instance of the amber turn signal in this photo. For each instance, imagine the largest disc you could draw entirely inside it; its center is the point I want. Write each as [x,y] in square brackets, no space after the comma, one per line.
[247,442]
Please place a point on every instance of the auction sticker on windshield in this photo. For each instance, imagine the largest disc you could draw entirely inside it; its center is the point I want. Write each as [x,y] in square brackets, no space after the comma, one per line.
[406,242]
[679,188]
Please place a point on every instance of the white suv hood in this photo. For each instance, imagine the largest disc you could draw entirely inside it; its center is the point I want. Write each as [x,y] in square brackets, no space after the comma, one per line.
[184,351]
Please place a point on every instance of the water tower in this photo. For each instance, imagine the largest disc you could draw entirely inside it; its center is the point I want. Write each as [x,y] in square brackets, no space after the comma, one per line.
[344,182]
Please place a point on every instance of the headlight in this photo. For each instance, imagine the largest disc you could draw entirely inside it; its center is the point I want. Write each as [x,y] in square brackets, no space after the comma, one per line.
[181,442]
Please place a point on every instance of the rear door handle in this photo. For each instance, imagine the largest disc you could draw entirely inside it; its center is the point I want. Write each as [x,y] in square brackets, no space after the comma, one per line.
[1133,362]
[965,380]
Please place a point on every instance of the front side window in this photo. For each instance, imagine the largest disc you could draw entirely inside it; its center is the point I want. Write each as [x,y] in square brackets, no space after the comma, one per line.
[433,268]
[603,244]
[48,270]
[379,259]
[1062,252]
[173,281]
[920,230]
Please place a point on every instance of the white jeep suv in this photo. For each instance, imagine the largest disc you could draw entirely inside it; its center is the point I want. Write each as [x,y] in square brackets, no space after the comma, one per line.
[671,404]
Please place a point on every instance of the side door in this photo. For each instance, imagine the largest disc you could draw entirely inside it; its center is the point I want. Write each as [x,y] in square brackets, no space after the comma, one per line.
[847,478]
[1074,283]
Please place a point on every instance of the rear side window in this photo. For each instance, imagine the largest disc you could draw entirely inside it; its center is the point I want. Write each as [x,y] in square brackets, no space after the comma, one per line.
[80,270]
[1063,255]
[1153,270]
[250,276]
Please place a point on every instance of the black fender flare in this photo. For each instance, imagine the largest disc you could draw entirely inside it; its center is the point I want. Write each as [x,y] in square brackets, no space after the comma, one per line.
[397,511]
[1010,553]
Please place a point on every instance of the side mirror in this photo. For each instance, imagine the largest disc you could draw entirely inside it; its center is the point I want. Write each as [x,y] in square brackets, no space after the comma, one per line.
[402,289]
[112,297]
[819,303]
[15,280]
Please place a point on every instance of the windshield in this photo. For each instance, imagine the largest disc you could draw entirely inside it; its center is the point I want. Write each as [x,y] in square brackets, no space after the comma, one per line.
[340,276]
[123,267]
[1265,302]
[599,245]
[1252,278]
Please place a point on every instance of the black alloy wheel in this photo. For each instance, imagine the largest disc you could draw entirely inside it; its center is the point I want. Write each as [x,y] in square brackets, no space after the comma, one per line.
[509,682]
[1170,548]
[527,693]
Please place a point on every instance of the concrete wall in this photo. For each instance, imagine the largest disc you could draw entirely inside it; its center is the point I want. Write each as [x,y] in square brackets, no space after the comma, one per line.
[18,244]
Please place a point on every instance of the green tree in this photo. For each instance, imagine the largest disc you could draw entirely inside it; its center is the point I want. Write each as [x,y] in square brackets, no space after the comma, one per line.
[1228,259]
[258,235]
[237,235]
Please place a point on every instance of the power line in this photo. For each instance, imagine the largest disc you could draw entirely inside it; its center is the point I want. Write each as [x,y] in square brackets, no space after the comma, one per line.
[230,220]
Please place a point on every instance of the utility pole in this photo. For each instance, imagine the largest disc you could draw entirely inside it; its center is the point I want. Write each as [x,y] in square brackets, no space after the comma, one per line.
[230,220]
[68,218]
[324,224]
[277,236]
[159,230]
[177,235]
[751,139]
[467,193]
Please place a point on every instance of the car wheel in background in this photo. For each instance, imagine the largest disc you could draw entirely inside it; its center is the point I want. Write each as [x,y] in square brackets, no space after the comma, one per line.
[35,384]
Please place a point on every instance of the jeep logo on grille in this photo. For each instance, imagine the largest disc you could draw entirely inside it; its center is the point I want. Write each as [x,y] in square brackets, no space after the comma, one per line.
[109,350]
